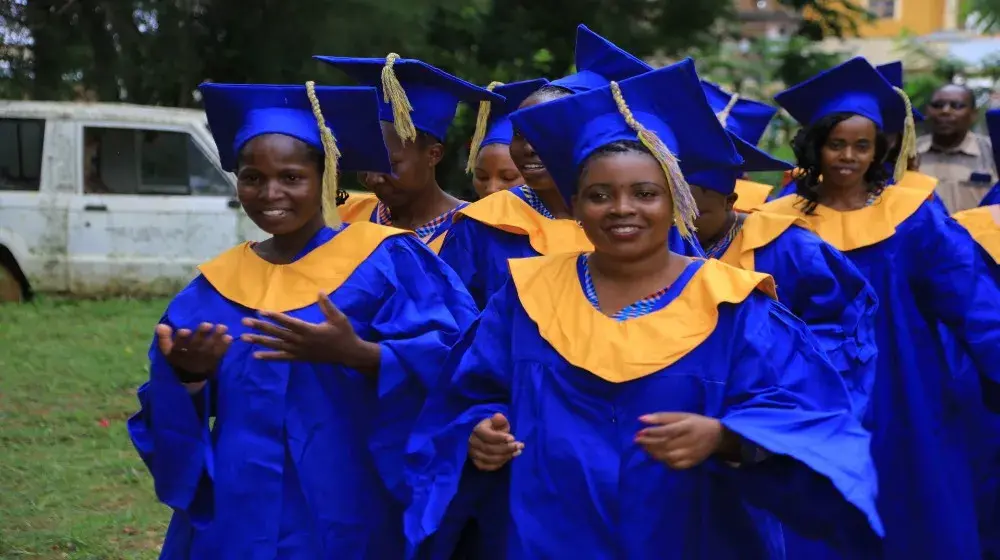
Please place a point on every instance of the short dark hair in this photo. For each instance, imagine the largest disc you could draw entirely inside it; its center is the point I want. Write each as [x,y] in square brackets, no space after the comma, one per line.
[968,92]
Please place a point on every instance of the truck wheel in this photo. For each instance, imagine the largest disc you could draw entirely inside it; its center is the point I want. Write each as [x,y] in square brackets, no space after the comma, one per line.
[10,288]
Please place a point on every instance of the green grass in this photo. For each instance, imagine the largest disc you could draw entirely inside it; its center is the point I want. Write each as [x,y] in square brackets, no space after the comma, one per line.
[71,485]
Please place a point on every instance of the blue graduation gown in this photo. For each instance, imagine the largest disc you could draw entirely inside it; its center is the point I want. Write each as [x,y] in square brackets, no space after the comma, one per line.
[573,384]
[819,285]
[926,271]
[304,459]
[983,426]
[502,226]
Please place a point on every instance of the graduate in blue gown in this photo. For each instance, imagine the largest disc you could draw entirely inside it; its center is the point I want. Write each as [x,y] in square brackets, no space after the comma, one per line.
[532,219]
[902,169]
[417,104]
[926,271]
[312,350]
[489,163]
[815,281]
[983,224]
[647,403]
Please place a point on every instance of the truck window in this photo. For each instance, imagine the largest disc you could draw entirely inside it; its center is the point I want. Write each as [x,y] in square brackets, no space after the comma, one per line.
[157,162]
[21,154]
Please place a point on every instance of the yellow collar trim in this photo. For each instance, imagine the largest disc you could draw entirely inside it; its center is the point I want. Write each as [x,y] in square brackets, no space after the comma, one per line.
[759,230]
[619,351]
[507,212]
[358,208]
[984,225]
[750,196]
[918,182]
[855,229]
[241,276]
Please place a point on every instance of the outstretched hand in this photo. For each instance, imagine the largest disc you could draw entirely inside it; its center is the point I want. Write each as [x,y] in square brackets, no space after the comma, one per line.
[331,341]
[194,354]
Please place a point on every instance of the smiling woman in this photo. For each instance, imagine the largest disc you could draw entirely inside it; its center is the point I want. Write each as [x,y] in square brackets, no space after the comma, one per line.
[632,379]
[312,350]
[927,272]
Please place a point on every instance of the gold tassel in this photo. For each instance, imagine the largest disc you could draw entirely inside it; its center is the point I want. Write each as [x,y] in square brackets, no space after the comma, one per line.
[480,133]
[394,94]
[331,154]
[685,209]
[723,115]
[908,141]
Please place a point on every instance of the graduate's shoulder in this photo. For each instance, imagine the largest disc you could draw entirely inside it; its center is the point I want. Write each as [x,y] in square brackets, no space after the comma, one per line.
[243,277]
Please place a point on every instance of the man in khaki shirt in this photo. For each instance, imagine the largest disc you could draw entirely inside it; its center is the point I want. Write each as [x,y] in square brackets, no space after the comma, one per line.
[960,159]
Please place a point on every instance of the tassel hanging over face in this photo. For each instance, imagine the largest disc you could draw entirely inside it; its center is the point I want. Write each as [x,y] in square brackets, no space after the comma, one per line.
[685,209]
[330,193]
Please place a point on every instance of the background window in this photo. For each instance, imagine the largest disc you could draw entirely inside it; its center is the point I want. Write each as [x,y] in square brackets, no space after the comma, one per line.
[883,9]
[21,154]
[157,162]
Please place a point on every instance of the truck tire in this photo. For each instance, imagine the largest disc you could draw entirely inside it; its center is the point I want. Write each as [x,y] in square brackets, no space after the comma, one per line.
[10,287]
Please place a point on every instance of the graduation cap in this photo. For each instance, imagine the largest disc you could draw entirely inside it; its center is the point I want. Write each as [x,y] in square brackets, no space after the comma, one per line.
[744,117]
[492,123]
[349,135]
[893,73]
[723,180]
[680,130]
[414,95]
[598,62]
[855,87]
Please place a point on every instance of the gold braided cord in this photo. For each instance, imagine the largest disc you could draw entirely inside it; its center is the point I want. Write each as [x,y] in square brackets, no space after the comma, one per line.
[477,137]
[908,141]
[330,156]
[685,208]
[394,94]
[723,115]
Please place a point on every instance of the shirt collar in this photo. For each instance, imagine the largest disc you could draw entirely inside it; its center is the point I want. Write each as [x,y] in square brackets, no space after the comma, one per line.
[969,146]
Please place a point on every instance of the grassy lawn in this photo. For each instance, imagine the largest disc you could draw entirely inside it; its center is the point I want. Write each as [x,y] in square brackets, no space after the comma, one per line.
[71,486]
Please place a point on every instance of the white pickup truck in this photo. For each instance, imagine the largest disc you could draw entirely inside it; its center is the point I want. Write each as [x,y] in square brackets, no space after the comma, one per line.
[103,199]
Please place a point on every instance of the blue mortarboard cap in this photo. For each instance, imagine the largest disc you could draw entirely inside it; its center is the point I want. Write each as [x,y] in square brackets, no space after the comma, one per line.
[566,131]
[598,62]
[433,93]
[853,87]
[893,73]
[723,180]
[747,118]
[499,130]
[237,113]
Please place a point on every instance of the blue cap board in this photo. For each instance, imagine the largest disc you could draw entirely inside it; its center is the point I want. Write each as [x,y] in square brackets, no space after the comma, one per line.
[238,113]
[566,131]
[852,87]
[598,62]
[893,72]
[747,118]
[433,93]
[499,130]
